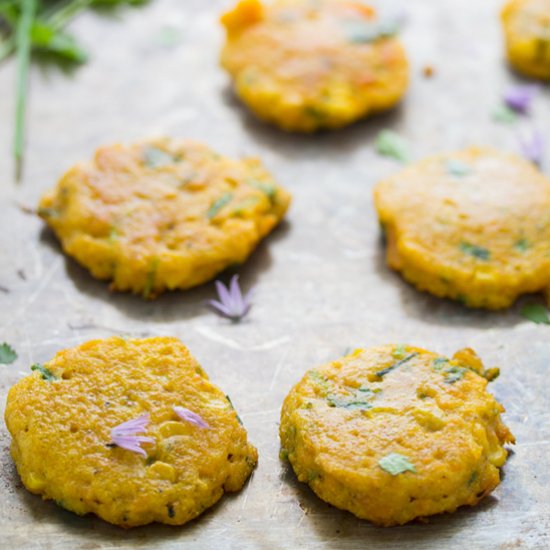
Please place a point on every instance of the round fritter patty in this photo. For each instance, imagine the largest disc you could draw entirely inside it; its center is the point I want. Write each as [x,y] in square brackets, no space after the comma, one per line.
[395,433]
[526,26]
[164,214]
[61,418]
[473,225]
[306,65]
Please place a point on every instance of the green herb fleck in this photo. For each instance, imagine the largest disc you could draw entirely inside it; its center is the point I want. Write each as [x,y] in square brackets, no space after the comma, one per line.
[153,157]
[390,144]
[150,280]
[113,235]
[399,351]
[458,168]
[475,251]
[218,204]
[522,245]
[536,313]
[7,354]
[283,454]
[504,115]
[232,407]
[48,213]
[439,362]
[359,400]
[395,464]
[241,208]
[312,475]
[267,187]
[362,32]
[385,371]
[46,373]
[321,381]
[472,478]
[314,112]
[454,374]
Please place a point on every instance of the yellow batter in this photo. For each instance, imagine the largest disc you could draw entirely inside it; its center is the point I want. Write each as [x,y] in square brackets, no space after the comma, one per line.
[162,215]
[395,433]
[527,34]
[306,65]
[472,225]
[61,417]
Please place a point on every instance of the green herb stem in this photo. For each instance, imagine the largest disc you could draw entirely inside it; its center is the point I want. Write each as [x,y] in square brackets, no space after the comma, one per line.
[23,46]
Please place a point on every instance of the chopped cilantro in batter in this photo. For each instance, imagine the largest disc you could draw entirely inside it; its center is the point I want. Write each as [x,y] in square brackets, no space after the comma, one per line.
[395,464]
[475,251]
[218,204]
[46,373]
[454,374]
[458,168]
[385,371]
[157,158]
[267,187]
[522,245]
[361,32]
[360,399]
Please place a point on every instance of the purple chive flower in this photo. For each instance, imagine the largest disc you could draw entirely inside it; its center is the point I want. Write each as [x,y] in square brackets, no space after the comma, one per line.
[125,435]
[532,146]
[519,98]
[190,416]
[232,303]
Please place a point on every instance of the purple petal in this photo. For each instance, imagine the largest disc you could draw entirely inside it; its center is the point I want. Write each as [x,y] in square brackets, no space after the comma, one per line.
[125,435]
[236,295]
[223,292]
[232,304]
[220,308]
[519,98]
[532,147]
[190,416]
[132,427]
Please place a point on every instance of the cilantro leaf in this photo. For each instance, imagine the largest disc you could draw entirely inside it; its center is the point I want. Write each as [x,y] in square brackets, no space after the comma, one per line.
[390,144]
[395,464]
[46,373]
[7,354]
[536,313]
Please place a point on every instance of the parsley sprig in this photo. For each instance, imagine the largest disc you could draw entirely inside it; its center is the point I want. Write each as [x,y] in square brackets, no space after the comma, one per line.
[36,26]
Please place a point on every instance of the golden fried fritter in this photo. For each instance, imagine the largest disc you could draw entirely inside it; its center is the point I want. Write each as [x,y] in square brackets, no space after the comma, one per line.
[472,225]
[395,433]
[164,214]
[526,26]
[61,418]
[306,65]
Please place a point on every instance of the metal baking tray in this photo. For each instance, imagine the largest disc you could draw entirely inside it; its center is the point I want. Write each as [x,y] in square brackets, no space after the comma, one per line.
[321,281]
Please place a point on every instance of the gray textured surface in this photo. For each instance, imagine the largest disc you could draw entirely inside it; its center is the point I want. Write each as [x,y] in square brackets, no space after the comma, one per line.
[321,284]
